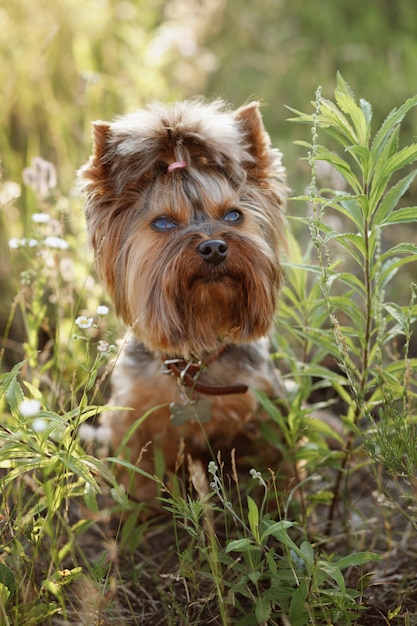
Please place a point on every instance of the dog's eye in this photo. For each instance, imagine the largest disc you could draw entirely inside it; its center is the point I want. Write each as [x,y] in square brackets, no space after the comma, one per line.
[163,223]
[233,217]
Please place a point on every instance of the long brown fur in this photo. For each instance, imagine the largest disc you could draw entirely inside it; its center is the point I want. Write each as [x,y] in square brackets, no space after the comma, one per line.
[148,223]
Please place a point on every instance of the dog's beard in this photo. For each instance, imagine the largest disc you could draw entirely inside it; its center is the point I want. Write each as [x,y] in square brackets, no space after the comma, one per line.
[180,305]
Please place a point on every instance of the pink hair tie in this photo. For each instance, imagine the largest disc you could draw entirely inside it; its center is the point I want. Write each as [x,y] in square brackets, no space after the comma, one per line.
[177,165]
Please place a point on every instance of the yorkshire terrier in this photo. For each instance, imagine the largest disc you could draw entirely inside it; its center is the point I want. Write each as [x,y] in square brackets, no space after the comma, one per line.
[184,210]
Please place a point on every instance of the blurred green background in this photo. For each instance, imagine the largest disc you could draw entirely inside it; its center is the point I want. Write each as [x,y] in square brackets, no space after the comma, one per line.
[64,63]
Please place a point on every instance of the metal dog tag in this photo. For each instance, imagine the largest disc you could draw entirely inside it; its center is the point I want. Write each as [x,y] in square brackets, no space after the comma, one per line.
[191,411]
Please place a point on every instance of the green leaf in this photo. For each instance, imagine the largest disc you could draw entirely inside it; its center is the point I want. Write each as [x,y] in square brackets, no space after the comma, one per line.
[362,157]
[386,166]
[357,559]
[253,518]
[397,367]
[319,371]
[7,377]
[401,248]
[14,395]
[352,281]
[390,124]
[303,144]
[298,615]
[405,215]
[332,116]
[367,111]
[28,465]
[392,198]
[346,101]
[401,158]
[130,466]
[352,244]
[254,576]
[390,268]
[377,180]
[352,207]
[4,598]
[7,578]
[398,313]
[136,424]
[333,571]
[101,468]
[241,545]
[278,530]
[303,118]
[263,610]
[34,391]
[90,498]
[118,493]
[323,154]
[307,552]
[273,411]
[271,561]
[79,468]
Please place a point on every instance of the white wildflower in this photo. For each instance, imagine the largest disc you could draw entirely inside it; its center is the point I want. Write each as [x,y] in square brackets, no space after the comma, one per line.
[84,322]
[29,407]
[103,346]
[257,476]
[212,468]
[87,433]
[9,191]
[16,243]
[39,425]
[102,310]
[55,242]
[90,434]
[40,218]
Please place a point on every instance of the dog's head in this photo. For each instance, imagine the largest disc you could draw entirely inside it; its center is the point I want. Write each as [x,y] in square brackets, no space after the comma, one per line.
[185,215]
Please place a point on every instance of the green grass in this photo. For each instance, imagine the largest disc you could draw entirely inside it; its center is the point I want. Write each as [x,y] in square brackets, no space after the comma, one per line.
[251,551]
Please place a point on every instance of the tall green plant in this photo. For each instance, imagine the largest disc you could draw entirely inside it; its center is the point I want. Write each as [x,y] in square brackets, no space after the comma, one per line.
[358,263]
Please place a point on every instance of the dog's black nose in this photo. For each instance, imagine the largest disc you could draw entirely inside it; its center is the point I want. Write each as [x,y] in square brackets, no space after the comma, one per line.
[213,251]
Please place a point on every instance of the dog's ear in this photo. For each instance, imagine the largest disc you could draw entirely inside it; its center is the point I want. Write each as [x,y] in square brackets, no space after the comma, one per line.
[123,157]
[259,143]
[96,171]
[101,132]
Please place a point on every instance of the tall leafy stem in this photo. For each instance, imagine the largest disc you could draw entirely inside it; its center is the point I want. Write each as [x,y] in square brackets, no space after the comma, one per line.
[364,324]
[369,206]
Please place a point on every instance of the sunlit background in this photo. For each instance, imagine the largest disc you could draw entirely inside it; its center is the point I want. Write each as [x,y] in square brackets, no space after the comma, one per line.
[67,62]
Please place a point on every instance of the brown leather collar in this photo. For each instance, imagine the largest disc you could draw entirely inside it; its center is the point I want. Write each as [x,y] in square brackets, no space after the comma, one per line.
[187,374]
